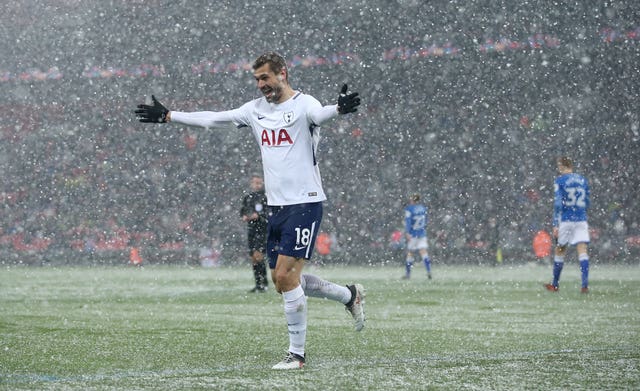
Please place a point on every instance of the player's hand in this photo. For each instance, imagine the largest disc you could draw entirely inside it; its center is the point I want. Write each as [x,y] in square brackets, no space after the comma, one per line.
[156,113]
[348,103]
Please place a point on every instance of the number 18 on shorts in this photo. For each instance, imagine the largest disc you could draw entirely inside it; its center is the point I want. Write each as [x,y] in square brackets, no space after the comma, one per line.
[292,231]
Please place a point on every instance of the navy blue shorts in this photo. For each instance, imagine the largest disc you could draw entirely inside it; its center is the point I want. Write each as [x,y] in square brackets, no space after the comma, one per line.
[292,231]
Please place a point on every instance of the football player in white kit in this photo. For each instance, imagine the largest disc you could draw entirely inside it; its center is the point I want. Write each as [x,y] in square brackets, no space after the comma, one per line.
[285,124]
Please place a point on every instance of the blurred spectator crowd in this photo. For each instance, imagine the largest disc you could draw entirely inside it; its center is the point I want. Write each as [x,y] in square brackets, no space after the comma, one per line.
[475,131]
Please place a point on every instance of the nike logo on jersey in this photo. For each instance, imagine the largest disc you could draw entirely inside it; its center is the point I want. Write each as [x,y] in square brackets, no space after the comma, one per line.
[299,247]
[261,116]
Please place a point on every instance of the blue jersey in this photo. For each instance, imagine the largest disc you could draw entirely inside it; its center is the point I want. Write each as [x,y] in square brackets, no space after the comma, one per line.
[571,199]
[415,220]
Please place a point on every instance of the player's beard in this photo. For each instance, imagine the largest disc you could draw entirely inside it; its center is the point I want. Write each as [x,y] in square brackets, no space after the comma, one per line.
[273,93]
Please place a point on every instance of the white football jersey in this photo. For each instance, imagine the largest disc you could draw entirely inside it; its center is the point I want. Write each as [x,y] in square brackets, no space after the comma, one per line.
[288,136]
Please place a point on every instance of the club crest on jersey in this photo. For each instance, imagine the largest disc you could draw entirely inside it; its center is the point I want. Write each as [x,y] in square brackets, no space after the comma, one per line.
[288,117]
[275,138]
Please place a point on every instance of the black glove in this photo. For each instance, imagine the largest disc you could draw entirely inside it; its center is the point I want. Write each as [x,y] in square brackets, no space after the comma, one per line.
[348,103]
[155,113]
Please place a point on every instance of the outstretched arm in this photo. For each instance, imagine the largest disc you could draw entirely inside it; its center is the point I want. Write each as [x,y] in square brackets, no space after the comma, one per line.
[157,113]
[347,103]
[205,119]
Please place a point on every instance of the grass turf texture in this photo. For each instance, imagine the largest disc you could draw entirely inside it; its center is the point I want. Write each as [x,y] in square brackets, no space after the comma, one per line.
[168,328]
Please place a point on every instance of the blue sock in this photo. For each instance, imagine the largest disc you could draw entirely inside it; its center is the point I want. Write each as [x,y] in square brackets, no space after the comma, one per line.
[427,264]
[557,269]
[407,267]
[584,268]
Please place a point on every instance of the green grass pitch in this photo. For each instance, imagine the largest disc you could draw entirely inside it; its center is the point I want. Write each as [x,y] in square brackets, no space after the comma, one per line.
[176,327]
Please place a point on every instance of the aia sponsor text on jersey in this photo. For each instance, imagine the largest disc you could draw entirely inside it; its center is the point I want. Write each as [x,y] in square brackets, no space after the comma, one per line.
[275,138]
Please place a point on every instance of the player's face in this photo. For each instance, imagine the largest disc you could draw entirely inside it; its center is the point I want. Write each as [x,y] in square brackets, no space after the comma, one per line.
[270,84]
[256,183]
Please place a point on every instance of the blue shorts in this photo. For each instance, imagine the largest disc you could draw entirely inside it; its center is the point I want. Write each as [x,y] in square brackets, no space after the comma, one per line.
[292,231]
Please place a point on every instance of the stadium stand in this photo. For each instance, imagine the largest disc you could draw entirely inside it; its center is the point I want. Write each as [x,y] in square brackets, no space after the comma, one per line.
[468,106]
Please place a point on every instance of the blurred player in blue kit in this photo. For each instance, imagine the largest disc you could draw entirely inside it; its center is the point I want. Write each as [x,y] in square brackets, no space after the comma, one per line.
[570,227]
[285,123]
[415,225]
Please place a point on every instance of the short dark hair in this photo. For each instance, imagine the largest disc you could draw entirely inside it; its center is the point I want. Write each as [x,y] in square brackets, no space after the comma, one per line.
[565,161]
[276,62]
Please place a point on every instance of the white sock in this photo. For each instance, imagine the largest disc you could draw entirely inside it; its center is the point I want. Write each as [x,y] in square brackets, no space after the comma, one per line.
[295,310]
[317,287]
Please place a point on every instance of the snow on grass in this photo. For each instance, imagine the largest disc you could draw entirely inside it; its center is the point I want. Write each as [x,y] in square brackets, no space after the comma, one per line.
[183,328]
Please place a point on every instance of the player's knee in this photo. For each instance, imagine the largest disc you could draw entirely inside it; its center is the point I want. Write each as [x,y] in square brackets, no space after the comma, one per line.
[582,249]
[280,277]
[279,285]
[285,281]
